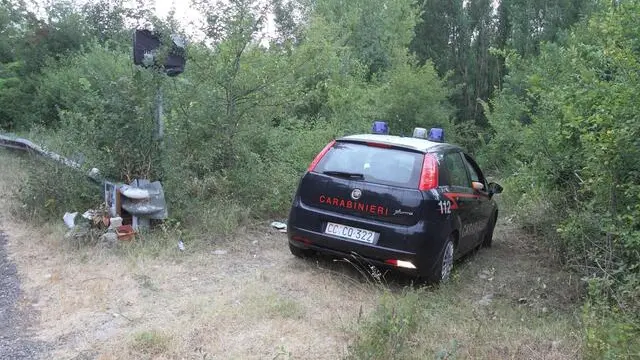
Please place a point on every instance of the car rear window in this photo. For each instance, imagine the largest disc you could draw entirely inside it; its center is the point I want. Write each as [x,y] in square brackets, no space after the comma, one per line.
[377,165]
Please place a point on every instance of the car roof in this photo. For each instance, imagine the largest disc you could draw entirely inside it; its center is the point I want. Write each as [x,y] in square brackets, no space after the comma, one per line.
[413,143]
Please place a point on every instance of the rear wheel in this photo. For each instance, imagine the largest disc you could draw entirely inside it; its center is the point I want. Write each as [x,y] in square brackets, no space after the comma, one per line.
[444,267]
[299,252]
[488,234]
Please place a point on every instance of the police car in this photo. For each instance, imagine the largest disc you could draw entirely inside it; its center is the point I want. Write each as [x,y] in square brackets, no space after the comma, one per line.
[415,203]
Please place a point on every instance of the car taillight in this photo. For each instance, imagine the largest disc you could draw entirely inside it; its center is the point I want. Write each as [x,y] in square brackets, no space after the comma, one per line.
[400,263]
[320,155]
[302,240]
[429,176]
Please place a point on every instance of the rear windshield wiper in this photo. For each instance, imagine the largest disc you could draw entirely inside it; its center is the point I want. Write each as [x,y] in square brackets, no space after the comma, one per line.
[344,174]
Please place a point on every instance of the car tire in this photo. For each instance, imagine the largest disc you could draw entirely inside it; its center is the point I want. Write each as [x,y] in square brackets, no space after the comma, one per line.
[487,241]
[299,252]
[444,266]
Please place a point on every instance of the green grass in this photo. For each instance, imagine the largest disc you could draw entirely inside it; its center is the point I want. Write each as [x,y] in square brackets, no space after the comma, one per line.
[151,343]
[278,306]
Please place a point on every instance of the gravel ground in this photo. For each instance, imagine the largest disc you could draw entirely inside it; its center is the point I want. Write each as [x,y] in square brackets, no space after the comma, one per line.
[15,342]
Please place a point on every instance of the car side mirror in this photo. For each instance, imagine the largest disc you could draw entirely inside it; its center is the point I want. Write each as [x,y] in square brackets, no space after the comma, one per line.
[478,186]
[495,188]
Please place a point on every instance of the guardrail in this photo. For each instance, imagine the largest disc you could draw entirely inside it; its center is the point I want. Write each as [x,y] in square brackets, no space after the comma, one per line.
[13,143]
[154,207]
[16,143]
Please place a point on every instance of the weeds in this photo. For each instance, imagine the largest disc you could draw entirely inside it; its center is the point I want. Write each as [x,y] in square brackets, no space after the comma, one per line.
[385,335]
[51,189]
[145,282]
[152,343]
[476,315]
[611,332]
[284,308]
[369,272]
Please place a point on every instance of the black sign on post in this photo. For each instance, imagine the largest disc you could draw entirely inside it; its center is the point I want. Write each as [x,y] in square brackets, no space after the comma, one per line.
[146,45]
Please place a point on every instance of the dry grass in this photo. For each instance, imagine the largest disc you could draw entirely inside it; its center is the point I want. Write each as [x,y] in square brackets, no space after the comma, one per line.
[148,300]
[255,301]
[509,302]
[531,313]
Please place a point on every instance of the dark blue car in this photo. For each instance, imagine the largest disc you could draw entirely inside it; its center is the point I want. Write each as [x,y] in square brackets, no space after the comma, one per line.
[412,203]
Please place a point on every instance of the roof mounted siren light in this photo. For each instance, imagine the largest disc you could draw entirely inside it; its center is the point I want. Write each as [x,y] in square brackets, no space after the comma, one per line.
[380,127]
[420,133]
[436,134]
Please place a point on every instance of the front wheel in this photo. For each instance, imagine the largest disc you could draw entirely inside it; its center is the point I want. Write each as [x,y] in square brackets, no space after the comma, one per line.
[444,266]
[488,235]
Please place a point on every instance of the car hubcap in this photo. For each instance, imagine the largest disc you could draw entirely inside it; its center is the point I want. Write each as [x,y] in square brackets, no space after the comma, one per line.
[447,261]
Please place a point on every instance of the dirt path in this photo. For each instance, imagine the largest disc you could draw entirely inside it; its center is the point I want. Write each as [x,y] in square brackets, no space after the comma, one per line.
[247,297]
[255,301]
[15,336]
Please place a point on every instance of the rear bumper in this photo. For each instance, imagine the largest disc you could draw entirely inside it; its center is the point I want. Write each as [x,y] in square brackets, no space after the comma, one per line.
[417,247]
[375,258]
[363,253]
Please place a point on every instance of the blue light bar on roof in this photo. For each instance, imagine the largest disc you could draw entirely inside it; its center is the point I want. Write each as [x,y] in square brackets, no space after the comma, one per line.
[380,127]
[436,134]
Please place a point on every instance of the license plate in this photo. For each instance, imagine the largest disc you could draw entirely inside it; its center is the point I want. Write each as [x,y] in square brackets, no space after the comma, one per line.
[351,232]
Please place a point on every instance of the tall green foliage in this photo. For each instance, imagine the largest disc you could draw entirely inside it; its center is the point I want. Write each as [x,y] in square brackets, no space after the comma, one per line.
[11,16]
[104,107]
[459,36]
[566,123]
[244,120]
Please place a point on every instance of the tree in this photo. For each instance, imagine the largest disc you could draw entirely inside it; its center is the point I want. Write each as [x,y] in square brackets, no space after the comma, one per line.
[106,21]
[567,124]
[533,22]
[458,36]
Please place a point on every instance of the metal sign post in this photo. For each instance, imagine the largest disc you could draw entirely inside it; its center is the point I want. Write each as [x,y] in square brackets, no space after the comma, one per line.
[146,46]
[159,133]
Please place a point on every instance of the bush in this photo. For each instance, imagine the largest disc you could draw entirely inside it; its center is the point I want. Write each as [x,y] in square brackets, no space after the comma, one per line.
[611,332]
[52,189]
[564,123]
[104,113]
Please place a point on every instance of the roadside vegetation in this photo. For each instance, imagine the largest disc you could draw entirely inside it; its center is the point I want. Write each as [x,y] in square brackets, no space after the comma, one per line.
[544,94]
[254,300]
